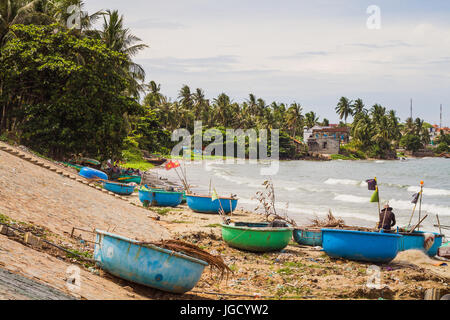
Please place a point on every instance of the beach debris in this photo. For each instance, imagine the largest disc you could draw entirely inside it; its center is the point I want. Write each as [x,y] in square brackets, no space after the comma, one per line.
[329,222]
[266,201]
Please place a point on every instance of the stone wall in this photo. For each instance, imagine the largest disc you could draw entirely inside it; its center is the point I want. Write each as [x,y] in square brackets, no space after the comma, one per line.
[324,145]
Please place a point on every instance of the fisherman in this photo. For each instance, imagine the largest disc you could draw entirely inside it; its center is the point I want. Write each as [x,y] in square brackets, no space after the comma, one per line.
[387,218]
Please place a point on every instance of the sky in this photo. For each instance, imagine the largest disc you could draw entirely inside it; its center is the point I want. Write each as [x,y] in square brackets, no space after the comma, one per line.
[310,52]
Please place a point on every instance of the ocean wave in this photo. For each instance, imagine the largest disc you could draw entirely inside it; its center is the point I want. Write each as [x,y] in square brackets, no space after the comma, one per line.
[430,191]
[351,198]
[332,181]
[239,181]
[429,208]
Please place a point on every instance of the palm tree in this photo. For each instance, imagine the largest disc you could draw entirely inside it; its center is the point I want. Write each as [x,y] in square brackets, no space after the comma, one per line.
[15,12]
[221,107]
[344,108]
[294,117]
[200,105]
[358,107]
[118,38]
[311,119]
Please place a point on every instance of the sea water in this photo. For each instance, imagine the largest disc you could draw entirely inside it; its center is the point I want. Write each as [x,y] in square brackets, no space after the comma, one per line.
[309,189]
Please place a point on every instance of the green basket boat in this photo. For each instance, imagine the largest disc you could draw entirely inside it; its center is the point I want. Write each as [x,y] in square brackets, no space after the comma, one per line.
[256,237]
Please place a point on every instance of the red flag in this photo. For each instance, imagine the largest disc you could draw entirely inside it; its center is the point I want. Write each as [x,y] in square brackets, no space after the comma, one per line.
[169,165]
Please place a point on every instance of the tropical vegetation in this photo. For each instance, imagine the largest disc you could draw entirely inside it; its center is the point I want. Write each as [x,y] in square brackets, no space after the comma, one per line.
[77,90]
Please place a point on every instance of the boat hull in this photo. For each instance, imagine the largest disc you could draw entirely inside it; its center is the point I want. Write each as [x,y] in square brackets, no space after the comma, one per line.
[256,237]
[148,265]
[160,198]
[90,173]
[205,204]
[307,237]
[361,246]
[416,241]
[119,188]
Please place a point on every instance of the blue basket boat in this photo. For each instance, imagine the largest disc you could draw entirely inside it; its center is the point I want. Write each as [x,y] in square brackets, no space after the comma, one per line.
[119,188]
[308,237]
[205,204]
[160,198]
[90,173]
[361,246]
[416,241]
[147,264]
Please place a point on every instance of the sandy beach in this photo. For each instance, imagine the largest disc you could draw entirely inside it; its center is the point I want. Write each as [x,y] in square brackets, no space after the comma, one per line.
[37,199]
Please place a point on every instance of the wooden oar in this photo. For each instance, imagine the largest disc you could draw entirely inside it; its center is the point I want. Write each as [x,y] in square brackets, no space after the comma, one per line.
[439,224]
[418,224]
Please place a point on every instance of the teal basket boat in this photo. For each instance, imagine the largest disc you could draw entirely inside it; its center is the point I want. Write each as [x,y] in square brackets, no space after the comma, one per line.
[205,204]
[256,237]
[119,188]
[308,237]
[147,264]
[160,198]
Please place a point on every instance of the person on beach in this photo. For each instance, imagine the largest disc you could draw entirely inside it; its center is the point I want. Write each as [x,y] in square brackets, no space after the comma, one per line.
[387,218]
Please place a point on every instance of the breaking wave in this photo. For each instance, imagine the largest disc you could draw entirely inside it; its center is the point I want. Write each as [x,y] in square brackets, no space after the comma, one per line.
[351,198]
[430,191]
[429,208]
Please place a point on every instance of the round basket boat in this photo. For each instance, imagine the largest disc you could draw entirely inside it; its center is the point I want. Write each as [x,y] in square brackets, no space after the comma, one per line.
[90,173]
[361,246]
[256,237]
[308,237]
[119,188]
[160,198]
[146,264]
[205,204]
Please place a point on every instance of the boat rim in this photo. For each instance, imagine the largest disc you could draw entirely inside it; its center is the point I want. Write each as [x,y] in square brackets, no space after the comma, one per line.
[151,246]
[421,234]
[395,235]
[318,229]
[119,184]
[261,229]
[203,196]
[161,191]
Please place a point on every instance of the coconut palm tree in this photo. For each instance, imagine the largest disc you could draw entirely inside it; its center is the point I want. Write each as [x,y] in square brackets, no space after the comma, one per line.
[118,38]
[344,108]
[358,107]
[294,118]
[311,119]
[15,12]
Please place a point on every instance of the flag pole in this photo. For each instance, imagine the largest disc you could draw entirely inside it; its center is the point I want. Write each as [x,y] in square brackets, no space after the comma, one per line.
[415,206]
[379,205]
[420,203]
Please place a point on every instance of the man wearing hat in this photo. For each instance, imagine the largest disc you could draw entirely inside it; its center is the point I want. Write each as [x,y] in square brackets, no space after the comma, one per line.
[387,218]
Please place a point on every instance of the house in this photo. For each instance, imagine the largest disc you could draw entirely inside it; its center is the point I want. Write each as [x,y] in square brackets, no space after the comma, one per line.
[326,140]
[435,132]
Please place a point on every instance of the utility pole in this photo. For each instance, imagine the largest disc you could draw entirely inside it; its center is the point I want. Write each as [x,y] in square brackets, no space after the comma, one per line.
[411,110]
[440,121]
